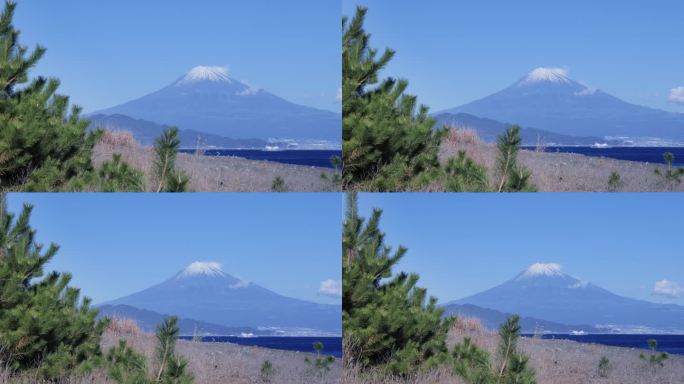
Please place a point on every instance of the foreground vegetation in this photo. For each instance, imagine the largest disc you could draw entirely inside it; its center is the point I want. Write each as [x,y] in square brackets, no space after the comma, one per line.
[48,333]
[389,142]
[565,172]
[393,329]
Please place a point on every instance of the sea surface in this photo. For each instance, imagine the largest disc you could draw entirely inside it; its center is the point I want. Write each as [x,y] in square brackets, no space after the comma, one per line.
[643,154]
[673,344]
[331,345]
[315,158]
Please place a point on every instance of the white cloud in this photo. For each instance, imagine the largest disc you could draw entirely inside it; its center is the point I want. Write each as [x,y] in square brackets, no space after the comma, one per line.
[677,95]
[667,288]
[330,288]
[338,95]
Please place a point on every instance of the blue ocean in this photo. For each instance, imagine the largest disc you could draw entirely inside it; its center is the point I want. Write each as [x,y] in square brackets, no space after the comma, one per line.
[673,344]
[314,158]
[643,154]
[331,345]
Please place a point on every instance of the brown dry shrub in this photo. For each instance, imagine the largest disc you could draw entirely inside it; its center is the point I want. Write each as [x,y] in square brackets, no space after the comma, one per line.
[118,139]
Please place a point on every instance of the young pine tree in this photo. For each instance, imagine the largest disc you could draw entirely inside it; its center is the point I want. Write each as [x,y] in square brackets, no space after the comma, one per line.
[388,142]
[473,365]
[168,178]
[44,328]
[126,366]
[389,321]
[512,178]
[42,144]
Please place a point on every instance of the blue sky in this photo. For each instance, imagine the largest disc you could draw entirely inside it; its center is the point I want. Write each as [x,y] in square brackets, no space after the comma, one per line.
[453,52]
[106,53]
[116,244]
[461,244]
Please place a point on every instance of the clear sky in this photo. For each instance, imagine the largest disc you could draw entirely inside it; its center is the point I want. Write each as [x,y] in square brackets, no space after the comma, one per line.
[109,52]
[461,244]
[453,52]
[117,244]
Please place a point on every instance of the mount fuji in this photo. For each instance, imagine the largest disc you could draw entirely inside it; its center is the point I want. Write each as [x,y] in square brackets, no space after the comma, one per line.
[543,291]
[204,292]
[547,99]
[207,99]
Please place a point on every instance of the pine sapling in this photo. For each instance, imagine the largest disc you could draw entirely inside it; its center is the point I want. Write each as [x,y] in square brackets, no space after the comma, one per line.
[462,174]
[604,367]
[336,178]
[168,179]
[654,359]
[171,367]
[512,178]
[278,185]
[513,364]
[671,175]
[125,365]
[118,176]
[267,371]
[319,363]
[615,182]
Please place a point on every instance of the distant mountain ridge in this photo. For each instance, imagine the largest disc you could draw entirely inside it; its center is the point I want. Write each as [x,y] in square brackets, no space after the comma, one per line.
[544,292]
[149,320]
[547,99]
[492,319]
[488,130]
[145,132]
[206,99]
[203,291]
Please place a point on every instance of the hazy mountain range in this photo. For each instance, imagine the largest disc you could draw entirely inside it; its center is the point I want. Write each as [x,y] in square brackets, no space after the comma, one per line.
[208,101]
[547,99]
[149,320]
[204,292]
[542,291]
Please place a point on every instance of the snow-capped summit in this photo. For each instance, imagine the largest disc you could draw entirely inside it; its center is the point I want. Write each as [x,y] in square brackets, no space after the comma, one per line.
[542,291]
[205,292]
[548,99]
[541,269]
[206,99]
[201,73]
[553,75]
[207,268]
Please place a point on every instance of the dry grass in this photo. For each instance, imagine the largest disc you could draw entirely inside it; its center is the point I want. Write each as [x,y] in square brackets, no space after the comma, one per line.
[554,361]
[461,135]
[564,172]
[217,173]
[208,362]
[118,139]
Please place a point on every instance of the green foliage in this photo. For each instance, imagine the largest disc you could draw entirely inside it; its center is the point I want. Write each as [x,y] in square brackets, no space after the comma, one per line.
[387,319]
[512,178]
[126,366]
[45,329]
[168,178]
[462,174]
[278,185]
[267,371]
[671,176]
[604,367]
[319,363]
[336,178]
[118,176]
[615,182]
[472,363]
[43,145]
[171,367]
[654,359]
[388,141]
